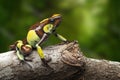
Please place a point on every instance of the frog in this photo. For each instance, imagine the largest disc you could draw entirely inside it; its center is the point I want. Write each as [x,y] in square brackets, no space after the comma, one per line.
[38,34]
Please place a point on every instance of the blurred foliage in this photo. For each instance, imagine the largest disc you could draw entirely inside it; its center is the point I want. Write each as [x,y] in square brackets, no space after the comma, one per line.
[94,23]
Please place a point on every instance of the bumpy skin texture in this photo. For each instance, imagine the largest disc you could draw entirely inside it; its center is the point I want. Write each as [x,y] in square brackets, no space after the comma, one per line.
[36,35]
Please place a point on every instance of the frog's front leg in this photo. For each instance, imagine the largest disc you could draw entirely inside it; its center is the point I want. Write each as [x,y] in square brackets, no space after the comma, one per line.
[60,37]
[40,51]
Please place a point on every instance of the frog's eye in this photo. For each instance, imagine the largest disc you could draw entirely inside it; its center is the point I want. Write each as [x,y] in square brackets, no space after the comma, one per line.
[51,20]
[47,28]
[55,17]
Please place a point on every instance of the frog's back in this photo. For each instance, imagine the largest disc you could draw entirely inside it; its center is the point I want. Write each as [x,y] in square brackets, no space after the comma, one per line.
[32,38]
[36,32]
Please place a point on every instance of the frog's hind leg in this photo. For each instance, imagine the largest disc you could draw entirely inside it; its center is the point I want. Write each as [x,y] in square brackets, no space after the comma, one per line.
[19,55]
[22,58]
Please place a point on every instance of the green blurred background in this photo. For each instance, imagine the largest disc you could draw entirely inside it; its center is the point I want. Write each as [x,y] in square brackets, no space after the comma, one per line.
[94,23]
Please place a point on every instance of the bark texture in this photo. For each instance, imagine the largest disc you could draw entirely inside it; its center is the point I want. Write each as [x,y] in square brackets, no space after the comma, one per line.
[67,63]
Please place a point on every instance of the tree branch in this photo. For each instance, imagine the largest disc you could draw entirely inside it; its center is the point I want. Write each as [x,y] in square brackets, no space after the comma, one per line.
[67,63]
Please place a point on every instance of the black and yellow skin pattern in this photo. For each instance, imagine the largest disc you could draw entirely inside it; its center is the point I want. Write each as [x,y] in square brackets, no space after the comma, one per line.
[36,35]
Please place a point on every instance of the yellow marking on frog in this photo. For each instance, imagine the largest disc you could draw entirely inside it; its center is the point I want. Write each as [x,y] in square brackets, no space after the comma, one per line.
[40,51]
[56,15]
[20,56]
[32,38]
[47,28]
[61,37]
[44,20]
[19,44]
[28,46]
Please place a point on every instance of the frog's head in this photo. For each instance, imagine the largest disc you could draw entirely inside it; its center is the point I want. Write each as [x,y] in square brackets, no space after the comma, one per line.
[52,23]
[55,19]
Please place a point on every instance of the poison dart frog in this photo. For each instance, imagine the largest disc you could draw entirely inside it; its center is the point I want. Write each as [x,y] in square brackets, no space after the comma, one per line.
[36,35]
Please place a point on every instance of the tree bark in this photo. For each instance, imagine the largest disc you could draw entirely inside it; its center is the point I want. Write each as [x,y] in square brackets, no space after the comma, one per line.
[67,63]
